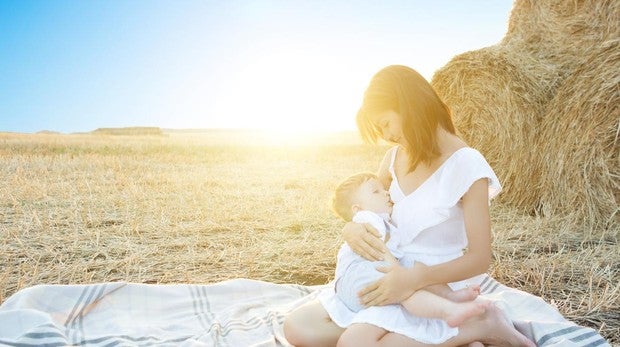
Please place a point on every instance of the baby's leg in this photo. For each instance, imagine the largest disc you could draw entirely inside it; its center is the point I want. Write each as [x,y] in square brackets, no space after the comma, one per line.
[466,294]
[428,305]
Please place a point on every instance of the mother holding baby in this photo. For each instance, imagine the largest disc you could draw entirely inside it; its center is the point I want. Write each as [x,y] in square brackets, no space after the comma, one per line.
[441,190]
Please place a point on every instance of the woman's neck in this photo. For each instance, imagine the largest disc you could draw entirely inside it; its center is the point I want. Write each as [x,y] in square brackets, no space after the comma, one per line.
[447,142]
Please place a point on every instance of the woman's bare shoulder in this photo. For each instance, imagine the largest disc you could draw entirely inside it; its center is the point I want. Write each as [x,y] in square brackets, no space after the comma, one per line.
[384,168]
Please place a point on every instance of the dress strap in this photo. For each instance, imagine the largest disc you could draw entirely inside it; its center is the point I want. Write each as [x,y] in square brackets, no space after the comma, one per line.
[392,159]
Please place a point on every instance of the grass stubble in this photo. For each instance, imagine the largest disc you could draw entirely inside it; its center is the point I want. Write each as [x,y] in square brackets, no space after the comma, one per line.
[203,208]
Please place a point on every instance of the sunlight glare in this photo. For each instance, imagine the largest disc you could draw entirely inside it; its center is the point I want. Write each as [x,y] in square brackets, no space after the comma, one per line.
[290,91]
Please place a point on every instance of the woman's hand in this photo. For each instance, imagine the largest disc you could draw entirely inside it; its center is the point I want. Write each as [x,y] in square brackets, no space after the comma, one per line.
[396,285]
[364,240]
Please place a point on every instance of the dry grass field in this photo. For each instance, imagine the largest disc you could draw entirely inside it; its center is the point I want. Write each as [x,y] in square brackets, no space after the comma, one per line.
[201,208]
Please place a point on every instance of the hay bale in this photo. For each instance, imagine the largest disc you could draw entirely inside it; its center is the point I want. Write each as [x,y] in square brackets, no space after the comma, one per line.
[497,106]
[553,78]
[580,142]
[561,32]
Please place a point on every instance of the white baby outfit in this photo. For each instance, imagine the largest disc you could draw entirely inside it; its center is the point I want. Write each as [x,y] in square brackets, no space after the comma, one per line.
[431,230]
[354,273]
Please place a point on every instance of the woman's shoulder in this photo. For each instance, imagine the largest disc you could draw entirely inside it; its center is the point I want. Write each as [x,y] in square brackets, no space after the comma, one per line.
[464,163]
[385,167]
[466,166]
[467,155]
[388,157]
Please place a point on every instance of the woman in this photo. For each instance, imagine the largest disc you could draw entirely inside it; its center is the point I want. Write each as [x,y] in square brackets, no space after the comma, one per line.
[441,190]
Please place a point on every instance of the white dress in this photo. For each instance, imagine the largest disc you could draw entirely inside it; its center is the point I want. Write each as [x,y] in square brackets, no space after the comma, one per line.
[432,230]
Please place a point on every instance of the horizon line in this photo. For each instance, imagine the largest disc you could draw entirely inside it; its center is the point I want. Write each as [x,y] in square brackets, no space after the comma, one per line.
[186,130]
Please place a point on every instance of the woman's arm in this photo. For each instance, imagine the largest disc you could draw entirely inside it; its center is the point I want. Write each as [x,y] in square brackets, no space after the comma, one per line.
[478,228]
[399,282]
[364,240]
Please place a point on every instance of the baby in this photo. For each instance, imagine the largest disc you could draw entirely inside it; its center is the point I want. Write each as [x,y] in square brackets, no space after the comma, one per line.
[361,198]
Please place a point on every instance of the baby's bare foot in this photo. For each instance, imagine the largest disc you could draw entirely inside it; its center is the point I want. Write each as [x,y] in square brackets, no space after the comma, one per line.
[465,310]
[465,294]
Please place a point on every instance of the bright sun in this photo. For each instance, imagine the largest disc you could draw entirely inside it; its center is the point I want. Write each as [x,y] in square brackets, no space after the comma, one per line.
[291,91]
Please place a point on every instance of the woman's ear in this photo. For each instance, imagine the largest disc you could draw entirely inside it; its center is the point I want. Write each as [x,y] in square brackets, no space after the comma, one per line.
[356,208]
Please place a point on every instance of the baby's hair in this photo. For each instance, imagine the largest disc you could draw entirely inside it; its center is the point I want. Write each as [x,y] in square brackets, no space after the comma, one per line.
[342,200]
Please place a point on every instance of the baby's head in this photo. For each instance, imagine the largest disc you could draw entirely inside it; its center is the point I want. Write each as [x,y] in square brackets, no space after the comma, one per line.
[362,191]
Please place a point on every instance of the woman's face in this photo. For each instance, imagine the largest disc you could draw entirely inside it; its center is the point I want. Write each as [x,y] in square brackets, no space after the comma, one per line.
[391,126]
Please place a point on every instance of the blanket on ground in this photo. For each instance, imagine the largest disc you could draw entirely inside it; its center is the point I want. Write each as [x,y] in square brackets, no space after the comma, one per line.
[239,312]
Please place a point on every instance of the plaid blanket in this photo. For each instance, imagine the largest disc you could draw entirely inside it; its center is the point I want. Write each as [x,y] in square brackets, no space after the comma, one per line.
[235,313]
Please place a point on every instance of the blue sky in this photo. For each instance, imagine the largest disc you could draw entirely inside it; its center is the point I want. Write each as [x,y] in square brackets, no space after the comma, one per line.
[74,66]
